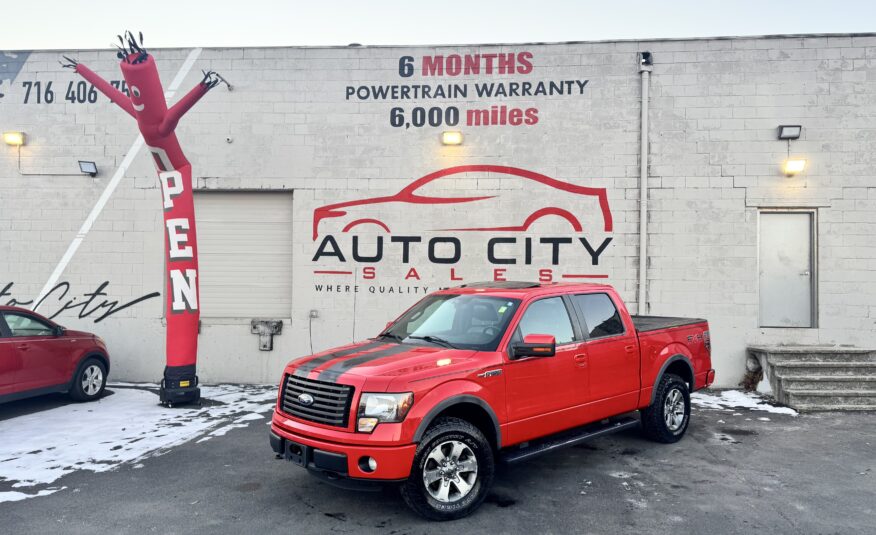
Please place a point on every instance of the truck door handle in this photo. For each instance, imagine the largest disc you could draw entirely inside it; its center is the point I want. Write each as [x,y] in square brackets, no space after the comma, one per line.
[630,349]
[581,359]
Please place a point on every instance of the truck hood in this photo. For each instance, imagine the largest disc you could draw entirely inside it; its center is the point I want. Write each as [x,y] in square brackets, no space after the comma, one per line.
[376,358]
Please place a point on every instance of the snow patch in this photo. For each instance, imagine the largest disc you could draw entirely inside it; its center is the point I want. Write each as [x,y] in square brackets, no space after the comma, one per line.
[126,426]
[737,399]
[15,496]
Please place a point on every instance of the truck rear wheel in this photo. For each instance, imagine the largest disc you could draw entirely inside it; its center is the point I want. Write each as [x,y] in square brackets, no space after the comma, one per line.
[452,472]
[666,420]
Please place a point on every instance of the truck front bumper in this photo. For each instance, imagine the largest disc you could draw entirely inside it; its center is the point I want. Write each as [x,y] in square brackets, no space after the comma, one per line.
[344,465]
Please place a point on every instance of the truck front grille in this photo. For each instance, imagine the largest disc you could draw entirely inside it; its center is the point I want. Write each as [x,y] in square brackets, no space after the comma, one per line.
[331,402]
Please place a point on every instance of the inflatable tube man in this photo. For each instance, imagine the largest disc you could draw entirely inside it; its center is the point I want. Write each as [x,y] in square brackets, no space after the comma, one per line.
[147,105]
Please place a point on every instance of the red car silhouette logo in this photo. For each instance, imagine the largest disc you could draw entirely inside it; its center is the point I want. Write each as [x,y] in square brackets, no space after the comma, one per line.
[416,194]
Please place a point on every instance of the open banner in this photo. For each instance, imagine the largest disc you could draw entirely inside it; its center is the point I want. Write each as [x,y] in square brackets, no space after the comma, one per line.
[145,102]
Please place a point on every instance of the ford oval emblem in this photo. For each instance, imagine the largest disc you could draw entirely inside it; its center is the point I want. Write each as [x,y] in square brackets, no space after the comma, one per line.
[305,399]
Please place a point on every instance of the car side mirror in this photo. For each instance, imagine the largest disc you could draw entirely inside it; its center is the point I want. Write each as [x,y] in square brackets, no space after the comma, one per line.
[535,345]
[59,331]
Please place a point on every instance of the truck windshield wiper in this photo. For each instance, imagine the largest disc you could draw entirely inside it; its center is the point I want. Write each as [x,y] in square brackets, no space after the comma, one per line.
[434,340]
[395,337]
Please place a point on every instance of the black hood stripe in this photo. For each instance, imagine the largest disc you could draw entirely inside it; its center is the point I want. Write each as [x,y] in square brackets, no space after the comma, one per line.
[336,370]
[312,364]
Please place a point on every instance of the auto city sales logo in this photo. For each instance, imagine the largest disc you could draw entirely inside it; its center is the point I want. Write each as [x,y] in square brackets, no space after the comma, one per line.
[337,226]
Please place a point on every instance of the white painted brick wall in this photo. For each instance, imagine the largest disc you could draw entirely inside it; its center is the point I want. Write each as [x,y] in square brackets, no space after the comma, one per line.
[714,162]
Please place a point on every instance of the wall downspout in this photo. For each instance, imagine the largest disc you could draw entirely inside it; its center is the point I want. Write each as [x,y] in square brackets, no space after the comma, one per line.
[645,63]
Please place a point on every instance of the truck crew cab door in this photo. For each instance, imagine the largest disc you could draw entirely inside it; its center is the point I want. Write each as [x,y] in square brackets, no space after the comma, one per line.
[541,391]
[612,350]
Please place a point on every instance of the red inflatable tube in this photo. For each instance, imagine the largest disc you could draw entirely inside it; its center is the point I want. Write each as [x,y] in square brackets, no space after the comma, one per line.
[157,123]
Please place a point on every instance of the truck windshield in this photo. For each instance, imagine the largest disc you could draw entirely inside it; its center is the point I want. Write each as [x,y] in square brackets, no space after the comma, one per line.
[459,321]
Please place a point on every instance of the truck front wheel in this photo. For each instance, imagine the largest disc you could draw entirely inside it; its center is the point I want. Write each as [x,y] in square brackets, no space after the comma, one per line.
[452,471]
[667,418]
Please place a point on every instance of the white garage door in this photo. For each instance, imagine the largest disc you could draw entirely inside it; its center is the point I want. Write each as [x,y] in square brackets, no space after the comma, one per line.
[245,254]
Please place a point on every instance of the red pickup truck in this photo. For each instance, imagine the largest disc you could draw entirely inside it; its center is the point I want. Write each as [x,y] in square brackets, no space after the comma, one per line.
[482,373]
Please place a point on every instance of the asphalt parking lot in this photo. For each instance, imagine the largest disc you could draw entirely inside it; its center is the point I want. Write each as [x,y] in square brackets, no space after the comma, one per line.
[736,471]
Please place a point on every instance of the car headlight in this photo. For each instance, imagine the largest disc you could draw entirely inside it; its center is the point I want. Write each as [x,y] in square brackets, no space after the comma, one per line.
[379,407]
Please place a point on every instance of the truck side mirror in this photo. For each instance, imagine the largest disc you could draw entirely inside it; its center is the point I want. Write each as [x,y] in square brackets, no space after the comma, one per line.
[535,345]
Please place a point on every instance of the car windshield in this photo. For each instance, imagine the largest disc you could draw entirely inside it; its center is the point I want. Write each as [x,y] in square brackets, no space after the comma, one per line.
[456,321]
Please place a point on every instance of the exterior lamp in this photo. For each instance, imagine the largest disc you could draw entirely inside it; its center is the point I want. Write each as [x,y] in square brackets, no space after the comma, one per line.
[14,139]
[88,168]
[451,137]
[787,132]
[794,166]
[790,131]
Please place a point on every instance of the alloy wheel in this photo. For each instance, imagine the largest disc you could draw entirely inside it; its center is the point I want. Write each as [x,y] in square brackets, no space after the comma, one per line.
[92,380]
[673,410]
[450,471]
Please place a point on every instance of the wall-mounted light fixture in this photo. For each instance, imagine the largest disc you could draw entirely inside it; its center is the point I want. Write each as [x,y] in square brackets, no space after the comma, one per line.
[787,132]
[794,166]
[19,139]
[14,139]
[88,168]
[451,137]
[790,131]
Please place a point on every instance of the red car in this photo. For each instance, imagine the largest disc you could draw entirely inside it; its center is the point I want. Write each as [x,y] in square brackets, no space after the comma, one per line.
[486,372]
[38,356]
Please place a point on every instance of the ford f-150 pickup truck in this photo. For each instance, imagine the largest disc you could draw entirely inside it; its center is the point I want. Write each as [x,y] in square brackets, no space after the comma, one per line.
[483,373]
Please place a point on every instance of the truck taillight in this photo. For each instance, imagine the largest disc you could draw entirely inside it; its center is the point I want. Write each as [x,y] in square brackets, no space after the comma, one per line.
[707,340]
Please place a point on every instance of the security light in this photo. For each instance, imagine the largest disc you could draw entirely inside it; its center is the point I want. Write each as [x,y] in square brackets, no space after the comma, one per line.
[794,166]
[88,168]
[790,131]
[15,139]
[451,137]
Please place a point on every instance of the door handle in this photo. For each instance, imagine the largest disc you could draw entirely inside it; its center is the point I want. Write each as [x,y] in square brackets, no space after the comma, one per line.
[580,359]
[23,347]
[630,349]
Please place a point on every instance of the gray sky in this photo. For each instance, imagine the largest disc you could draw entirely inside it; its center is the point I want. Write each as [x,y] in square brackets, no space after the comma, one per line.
[68,24]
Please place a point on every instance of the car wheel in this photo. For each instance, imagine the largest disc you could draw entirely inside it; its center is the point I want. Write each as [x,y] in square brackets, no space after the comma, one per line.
[89,381]
[666,420]
[452,471]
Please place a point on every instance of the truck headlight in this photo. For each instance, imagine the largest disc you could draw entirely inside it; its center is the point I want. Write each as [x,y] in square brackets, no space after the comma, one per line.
[379,407]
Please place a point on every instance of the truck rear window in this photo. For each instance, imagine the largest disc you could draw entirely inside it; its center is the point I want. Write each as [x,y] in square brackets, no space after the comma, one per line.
[600,315]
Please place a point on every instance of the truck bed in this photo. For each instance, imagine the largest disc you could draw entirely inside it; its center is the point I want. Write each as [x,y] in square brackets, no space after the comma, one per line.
[655,323]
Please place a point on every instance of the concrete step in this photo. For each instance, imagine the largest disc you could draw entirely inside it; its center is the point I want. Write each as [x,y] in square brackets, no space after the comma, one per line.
[835,356]
[829,382]
[821,408]
[797,369]
[829,399]
[820,377]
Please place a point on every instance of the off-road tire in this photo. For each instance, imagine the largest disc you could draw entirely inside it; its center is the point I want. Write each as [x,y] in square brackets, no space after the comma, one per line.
[654,424]
[80,392]
[414,492]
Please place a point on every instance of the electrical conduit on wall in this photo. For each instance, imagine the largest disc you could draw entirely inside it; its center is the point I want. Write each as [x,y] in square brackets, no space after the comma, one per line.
[645,72]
